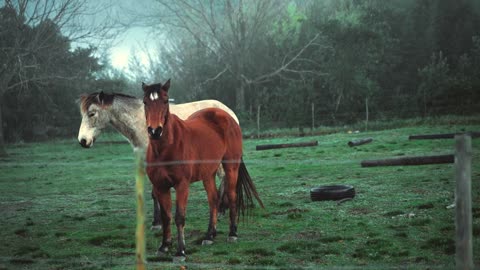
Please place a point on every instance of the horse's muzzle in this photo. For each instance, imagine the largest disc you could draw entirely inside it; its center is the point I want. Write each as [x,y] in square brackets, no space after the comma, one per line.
[155,133]
[84,144]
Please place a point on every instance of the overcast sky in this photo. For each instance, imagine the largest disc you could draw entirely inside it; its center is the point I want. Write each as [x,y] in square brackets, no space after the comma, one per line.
[132,39]
[126,44]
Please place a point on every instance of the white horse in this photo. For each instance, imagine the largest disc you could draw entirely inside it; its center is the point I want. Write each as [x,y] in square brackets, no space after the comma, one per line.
[126,114]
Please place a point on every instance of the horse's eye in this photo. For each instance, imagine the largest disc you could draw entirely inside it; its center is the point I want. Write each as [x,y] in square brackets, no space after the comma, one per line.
[92,114]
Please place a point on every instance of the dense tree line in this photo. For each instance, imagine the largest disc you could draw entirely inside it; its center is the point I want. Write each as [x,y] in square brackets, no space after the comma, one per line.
[41,73]
[402,58]
[399,58]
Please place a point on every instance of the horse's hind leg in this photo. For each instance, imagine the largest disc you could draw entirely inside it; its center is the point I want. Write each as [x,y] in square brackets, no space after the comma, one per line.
[223,200]
[210,188]
[231,177]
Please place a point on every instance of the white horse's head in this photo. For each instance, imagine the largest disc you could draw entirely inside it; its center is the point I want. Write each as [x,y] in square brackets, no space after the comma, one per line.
[94,117]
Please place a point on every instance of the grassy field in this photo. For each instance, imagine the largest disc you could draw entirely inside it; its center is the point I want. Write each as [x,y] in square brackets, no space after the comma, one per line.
[64,207]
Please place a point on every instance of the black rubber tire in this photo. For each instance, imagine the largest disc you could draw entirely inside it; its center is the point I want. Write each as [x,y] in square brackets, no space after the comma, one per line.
[332,192]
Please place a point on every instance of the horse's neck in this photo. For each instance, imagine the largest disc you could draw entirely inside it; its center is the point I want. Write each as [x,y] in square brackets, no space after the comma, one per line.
[171,142]
[129,119]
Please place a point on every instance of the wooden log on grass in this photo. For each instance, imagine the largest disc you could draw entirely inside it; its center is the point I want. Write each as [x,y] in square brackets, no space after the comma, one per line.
[407,161]
[359,142]
[473,134]
[285,145]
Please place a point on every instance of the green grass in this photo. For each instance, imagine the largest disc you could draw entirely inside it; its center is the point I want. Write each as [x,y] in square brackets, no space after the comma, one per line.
[64,207]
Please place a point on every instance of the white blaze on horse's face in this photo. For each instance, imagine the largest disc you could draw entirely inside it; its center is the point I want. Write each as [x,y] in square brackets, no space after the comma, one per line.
[154,96]
[93,121]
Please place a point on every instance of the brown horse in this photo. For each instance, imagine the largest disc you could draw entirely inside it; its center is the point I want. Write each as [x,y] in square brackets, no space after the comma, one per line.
[181,152]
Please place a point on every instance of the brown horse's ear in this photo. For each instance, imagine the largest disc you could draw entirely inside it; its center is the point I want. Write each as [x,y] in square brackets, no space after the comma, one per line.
[166,85]
[101,97]
[144,87]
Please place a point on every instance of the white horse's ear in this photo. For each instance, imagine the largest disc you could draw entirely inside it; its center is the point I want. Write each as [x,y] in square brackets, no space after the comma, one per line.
[166,85]
[144,87]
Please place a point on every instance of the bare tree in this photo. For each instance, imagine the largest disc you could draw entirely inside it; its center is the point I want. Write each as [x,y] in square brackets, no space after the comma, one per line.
[230,30]
[21,45]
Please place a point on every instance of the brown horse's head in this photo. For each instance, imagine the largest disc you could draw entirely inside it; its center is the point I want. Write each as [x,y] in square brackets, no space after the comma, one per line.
[155,99]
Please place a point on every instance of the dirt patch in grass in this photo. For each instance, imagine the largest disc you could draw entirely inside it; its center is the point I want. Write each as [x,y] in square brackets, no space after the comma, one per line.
[29,222]
[420,221]
[401,234]
[124,254]
[259,252]
[401,253]
[74,218]
[21,232]
[18,261]
[286,204]
[295,247]
[394,213]
[60,234]
[447,229]
[373,249]
[444,244]
[263,261]
[308,235]
[123,244]
[220,253]
[234,261]
[397,227]
[99,240]
[425,206]
[332,239]
[24,250]
[360,211]
[290,211]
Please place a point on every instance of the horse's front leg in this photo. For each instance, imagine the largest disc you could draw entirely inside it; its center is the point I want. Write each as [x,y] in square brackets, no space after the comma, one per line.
[157,218]
[182,190]
[209,185]
[164,198]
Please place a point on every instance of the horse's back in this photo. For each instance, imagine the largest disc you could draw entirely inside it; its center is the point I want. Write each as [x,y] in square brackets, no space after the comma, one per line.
[183,111]
[214,117]
[219,121]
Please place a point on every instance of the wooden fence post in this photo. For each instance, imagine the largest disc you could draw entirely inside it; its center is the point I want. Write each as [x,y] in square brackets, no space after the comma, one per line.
[258,120]
[463,202]
[366,114]
[313,116]
[140,230]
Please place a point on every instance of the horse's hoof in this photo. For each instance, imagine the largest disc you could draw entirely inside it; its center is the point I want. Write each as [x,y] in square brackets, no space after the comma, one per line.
[207,242]
[232,239]
[156,227]
[162,252]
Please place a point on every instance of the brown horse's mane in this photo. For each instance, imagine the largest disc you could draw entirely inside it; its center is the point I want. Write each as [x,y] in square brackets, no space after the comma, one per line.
[94,98]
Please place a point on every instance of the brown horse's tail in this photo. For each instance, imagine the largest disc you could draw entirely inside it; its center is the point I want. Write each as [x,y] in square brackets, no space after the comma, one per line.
[245,190]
